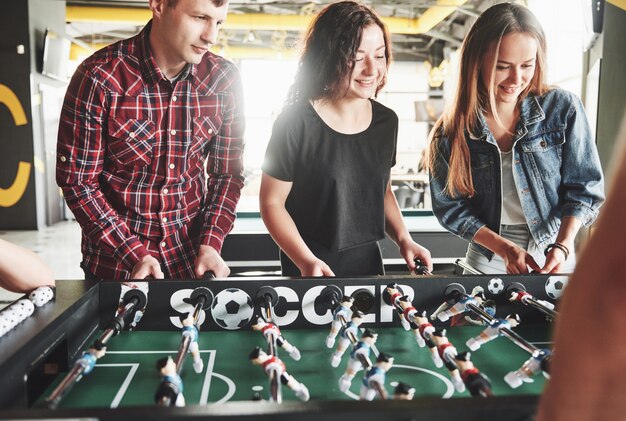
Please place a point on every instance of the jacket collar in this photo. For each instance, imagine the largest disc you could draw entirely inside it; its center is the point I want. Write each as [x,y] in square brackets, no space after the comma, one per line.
[530,112]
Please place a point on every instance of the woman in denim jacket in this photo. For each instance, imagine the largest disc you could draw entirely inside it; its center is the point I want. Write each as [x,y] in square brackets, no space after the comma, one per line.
[514,169]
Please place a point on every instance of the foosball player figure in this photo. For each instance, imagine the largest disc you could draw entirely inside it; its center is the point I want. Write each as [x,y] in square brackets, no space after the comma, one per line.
[447,309]
[91,356]
[493,330]
[422,328]
[270,330]
[347,335]
[361,350]
[489,307]
[394,298]
[403,392]
[190,330]
[374,380]
[538,362]
[476,382]
[170,390]
[447,352]
[342,311]
[272,364]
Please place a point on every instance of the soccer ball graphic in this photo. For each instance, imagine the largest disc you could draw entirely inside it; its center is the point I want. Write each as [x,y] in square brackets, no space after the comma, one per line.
[232,308]
[495,286]
[555,286]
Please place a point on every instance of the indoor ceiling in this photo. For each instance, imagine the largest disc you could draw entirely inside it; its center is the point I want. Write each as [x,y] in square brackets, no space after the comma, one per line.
[421,29]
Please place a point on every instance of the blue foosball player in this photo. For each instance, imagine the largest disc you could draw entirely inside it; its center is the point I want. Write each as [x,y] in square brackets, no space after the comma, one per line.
[359,354]
[374,380]
[347,335]
[341,312]
[170,390]
[190,330]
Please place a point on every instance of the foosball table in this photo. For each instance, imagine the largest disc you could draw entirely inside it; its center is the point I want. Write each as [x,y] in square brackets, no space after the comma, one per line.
[394,348]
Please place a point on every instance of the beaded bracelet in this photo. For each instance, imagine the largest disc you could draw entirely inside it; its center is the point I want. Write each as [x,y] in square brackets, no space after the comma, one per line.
[559,246]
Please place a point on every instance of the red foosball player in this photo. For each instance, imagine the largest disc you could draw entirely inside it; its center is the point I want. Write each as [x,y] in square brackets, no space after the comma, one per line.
[476,382]
[492,331]
[403,392]
[447,352]
[190,330]
[524,298]
[422,328]
[170,390]
[274,364]
[347,335]
[270,330]
[360,352]
[445,310]
[394,297]
[374,380]
[342,311]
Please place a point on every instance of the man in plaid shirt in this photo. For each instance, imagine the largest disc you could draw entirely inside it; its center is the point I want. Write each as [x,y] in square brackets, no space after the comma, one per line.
[150,148]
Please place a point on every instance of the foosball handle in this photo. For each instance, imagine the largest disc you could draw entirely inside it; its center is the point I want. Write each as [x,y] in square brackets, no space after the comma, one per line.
[420,268]
[209,274]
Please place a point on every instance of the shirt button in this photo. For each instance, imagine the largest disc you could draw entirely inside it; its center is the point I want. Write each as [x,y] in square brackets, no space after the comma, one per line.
[131,134]
[174,98]
[172,132]
[163,244]
[63,159]
[172,166]
[164,219]
[165,191]
[210,131]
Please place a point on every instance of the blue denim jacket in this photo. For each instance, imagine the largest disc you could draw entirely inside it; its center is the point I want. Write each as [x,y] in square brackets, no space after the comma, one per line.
[557,172]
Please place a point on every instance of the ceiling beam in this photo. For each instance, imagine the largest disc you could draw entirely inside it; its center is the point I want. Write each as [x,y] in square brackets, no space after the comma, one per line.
[262,21]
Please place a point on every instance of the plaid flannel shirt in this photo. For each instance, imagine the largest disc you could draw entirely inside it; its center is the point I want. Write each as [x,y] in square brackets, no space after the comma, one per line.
[148,166]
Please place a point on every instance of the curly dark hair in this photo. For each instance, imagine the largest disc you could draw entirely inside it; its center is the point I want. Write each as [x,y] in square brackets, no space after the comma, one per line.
[330,45]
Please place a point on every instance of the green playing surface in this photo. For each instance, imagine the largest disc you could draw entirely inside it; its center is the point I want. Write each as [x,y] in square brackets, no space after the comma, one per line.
[127,376]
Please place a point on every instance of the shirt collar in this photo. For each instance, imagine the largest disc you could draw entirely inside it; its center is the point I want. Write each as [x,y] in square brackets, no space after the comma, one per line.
[149,69]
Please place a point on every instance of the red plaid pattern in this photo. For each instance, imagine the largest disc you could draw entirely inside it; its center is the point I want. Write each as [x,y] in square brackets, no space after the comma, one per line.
[148,166]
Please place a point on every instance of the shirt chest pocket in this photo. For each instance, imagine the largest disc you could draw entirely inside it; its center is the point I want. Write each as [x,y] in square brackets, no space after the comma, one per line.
[544,153]
[544,142]
[204,129]
[131,141]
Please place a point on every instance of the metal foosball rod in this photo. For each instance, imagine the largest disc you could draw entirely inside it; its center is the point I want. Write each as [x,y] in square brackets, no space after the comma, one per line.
[134,299]
[467,267]
[201,298]
[267,298]
[525,298]
[516,292]
[514,337]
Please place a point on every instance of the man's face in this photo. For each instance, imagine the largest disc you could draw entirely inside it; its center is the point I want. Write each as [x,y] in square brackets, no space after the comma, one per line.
[187,30]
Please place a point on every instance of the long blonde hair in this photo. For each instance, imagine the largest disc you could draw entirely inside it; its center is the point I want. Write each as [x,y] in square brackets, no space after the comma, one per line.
[472,98]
